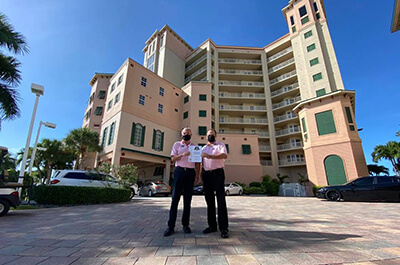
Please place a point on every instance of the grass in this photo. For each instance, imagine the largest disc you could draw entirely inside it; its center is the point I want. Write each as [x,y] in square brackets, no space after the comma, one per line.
[25,207]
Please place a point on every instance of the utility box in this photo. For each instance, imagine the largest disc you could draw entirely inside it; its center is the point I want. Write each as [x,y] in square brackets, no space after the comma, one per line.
[292,190]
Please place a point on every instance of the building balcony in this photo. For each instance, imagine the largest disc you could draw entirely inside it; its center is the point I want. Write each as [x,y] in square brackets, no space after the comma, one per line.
[292,162]
[285,117]
[240,72]
[264,148]
[279,54]
[289,131]
[242,95]
[238,61]
[241,83]
[286,102]
[266,162]
[280,66]
[289,146]
[198,72]
[284,89]
[241,107]
[261,134]
[223,120]
[282,77]
[197,62]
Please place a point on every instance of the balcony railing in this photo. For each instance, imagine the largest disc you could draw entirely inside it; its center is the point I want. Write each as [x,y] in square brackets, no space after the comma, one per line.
[279,54]
[283,77]
[288,162]
[241,95]
[285,117]
[198,61]
[239,72]
[289,146]
[240,83]
[266,162]
[259,133]
[264,148]
[240,107]
[286,102]
[242,120]
[294,129]
[190,77]
[241,61]
[284,89]
[280,66]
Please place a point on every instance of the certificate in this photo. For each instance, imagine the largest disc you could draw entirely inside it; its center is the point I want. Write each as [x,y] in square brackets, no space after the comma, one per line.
[195,153]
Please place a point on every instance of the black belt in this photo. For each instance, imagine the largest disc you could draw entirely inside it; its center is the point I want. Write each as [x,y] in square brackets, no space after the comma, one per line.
[221,168]
[185,168]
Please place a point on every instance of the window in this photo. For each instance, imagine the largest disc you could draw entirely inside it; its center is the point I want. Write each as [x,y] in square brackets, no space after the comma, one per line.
[318,16]
[102,94]
[308,34]
[162,40]
[350,119]
[109,104]
[141,100]
[117,97]
[294,29]
[363,181]
[137,134]
[303,122]
[98,111]
[202,113]
[150,63]
[158,171]
[304,20]
[158,140]
[227,148]
[315,7]
[320,92]
[160,108]
[112,88]
[103,139]
[303,11]
[311,47]
[314,61]
[185,114]
[317,77]
[186,99]
[120,79]
[384,180]
[246,149]
[325,122]
[203,97]
[111,136]
[161,92]
[291,20]
[202,130]
[144,82]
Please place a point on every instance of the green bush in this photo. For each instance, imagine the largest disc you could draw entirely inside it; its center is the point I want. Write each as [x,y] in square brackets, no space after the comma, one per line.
[315,188]
[254,190]
[271,188]
[255,185]
[63,195]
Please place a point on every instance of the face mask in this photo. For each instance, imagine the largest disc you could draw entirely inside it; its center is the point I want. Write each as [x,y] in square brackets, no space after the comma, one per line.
[186,137]
[211,138]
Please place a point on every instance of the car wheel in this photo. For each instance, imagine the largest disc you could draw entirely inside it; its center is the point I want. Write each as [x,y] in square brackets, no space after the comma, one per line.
[227,193]
[333,195]
[150,193]
[132,193]
[4,207]
[240,192]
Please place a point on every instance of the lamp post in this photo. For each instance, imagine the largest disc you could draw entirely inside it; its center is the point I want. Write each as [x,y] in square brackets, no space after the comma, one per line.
[39,91]
[47,124]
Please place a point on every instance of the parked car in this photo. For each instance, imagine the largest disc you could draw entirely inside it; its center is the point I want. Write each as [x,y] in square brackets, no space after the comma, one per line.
[233,188]
[198,189]
[154,188]
[372,188]
[83,178]
[8,198]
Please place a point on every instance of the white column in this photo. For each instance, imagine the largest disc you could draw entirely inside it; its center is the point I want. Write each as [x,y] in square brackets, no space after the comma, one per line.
[167,171]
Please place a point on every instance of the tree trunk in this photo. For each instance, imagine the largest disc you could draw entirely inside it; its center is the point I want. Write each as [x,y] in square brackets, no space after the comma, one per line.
[49,174]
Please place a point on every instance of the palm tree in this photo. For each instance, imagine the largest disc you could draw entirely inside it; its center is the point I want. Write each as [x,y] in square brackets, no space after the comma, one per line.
[80,141]
[10,76]
[391,152]
[377,170]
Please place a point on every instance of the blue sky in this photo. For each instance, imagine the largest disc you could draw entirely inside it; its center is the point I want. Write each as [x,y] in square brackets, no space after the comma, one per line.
[71,40]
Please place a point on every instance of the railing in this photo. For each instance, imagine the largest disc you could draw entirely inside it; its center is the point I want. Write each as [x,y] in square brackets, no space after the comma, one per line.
[227,60]
[287,162]
[294,129]
[196,62]
[240,107]
[286,102]
[281,65]
[279,54]
[264,148]
[285,117]
[213,117]
[282,77]
[241,95]
[242,120]
[244,72]
[263,134]
[284,89]
[240,83]
[190,77]
[289,146]
[266,162]
[213,104]
[259,133]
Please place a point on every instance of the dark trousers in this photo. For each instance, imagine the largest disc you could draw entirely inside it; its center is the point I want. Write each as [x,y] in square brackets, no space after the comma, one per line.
[215,181]
[183,184]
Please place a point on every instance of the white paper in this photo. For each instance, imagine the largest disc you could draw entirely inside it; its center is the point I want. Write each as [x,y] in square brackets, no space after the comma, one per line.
[195,153]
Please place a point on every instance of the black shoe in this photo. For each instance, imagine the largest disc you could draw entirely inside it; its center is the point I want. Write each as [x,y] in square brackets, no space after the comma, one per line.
[224,233]
[169,231]
[209,230]
[186,229]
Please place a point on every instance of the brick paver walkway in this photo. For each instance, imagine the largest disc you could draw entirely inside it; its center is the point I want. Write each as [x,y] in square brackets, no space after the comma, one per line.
[263,230]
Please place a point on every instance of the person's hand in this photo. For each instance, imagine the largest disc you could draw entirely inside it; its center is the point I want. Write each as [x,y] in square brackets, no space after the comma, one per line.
[187,153]
[205,155]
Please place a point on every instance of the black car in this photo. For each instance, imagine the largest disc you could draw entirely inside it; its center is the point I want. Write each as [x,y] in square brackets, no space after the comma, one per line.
[372,188]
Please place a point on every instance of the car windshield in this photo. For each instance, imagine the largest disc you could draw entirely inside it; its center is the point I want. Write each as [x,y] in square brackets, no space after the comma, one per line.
[227,185]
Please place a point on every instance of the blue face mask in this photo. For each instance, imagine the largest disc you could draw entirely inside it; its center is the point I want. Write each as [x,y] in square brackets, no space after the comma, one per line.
[186,137]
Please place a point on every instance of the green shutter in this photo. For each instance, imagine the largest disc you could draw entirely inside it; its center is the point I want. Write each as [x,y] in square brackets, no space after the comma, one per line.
[186,99]
[202,130]
[352,128]
[227,148]
[304,20]
[294,29]
[318,16]
[314,61]
[320,92]
[303,122]
[246,149]
[133,132]
[317,77]
[143,133]
[185,115]
[202,113]
[325,122]
[203,97]
[311,47]
[348,112]
[308,34]
[334,170]
[153,145]
[162,141]
[103,141]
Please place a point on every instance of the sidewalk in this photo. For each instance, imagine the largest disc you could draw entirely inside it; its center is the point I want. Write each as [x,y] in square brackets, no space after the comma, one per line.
[263,230]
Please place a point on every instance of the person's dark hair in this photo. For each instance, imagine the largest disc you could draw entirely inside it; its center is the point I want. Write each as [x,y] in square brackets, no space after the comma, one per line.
[213,131]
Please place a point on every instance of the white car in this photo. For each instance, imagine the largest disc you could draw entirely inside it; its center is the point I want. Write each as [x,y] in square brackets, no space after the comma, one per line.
[233,188]
[8,198]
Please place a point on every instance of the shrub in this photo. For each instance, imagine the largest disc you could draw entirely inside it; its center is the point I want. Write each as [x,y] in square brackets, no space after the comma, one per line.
[254,190]
[315,188]
[255,185]
[271,188]
[63,195]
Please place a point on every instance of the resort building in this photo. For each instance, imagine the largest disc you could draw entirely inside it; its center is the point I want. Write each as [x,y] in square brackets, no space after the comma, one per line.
[281,108]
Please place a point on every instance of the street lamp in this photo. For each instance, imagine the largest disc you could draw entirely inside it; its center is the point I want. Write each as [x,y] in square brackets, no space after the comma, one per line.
[39,91]
[47,124]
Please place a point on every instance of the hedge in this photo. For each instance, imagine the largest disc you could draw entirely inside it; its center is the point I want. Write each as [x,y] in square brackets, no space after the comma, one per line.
[63,195]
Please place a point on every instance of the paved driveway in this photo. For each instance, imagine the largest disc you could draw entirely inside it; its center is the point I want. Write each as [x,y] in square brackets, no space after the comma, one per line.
[263,230]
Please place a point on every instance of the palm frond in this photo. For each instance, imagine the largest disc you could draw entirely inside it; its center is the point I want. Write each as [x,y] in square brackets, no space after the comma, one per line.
[9,72]
[14,41]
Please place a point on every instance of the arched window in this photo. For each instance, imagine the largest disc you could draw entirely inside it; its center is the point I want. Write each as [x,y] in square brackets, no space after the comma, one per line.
[158,140]
[137,134]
